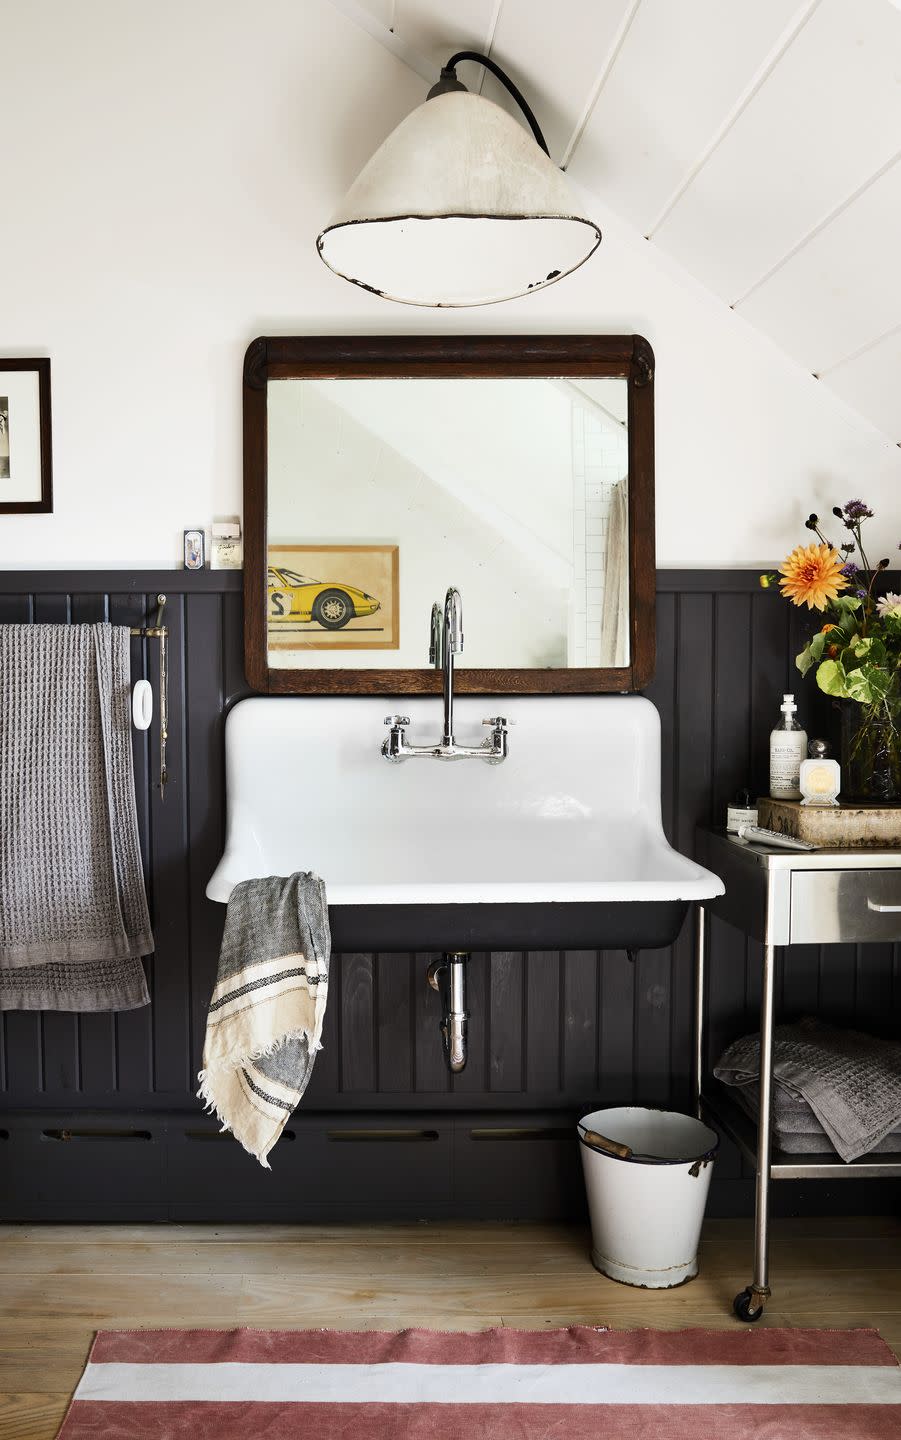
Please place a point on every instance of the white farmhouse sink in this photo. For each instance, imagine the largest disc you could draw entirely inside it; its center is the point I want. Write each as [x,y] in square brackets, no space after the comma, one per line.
[561,845]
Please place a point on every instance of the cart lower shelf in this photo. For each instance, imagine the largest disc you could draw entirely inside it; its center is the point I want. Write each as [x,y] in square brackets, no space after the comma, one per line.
[725,1114]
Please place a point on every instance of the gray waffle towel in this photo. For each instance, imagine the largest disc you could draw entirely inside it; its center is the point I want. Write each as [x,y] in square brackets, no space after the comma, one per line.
[795,1127]
[851,1081]
[73,910]
[264,1023]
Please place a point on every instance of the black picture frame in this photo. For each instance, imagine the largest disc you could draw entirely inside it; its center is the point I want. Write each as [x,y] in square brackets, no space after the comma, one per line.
[43,506]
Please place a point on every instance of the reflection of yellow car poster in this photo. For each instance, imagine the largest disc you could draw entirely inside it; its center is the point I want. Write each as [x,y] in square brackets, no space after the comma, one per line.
[333,597]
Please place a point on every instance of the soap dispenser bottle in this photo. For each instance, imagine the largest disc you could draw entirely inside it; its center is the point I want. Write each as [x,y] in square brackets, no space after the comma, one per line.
[788,747]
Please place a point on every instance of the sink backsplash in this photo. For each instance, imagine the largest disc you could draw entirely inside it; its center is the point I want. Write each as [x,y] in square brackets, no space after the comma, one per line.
[551,1031]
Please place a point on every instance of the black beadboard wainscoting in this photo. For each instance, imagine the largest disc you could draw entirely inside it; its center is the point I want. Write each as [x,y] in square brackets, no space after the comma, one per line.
[100,1120]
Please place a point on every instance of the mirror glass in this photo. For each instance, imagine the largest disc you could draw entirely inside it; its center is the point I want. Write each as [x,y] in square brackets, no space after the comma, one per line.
[383,492]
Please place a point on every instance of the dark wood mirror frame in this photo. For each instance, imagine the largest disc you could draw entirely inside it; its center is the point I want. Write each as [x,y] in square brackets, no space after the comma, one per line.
[360,357]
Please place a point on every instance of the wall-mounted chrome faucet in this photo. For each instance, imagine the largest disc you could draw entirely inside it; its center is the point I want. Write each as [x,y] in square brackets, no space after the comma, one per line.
[446,641]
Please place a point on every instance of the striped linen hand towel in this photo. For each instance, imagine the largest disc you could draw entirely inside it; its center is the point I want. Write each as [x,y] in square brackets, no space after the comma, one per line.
[264,1023]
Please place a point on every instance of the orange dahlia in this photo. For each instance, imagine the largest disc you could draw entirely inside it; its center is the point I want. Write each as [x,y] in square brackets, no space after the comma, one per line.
[812,576]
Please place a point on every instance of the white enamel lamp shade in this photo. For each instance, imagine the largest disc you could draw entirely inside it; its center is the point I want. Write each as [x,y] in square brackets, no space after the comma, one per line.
[459,206]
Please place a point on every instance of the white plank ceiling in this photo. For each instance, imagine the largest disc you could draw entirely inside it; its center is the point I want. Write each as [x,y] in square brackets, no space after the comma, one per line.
[756,142]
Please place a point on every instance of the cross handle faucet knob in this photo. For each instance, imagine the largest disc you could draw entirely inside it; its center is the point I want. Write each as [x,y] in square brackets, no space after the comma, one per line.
[397,720]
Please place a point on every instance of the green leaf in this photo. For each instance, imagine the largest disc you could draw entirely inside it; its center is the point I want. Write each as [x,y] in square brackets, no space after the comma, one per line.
[857,687]
[871,649]
[813,653]
[846,605]
[879,681]
[831,679]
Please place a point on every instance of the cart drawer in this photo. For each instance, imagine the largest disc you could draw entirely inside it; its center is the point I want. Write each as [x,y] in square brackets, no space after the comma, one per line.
[828,906]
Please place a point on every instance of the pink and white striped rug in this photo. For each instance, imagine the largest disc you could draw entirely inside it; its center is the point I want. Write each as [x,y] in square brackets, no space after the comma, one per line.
[577,1384]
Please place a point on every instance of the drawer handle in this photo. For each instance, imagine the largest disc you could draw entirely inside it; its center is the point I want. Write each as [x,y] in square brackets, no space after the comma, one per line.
[883,909]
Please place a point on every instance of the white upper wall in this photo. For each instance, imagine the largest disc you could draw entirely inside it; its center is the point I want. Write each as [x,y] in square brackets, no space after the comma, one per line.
[166,173]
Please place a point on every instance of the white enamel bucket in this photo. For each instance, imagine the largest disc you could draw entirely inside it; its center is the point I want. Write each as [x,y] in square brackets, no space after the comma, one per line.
[647,1190]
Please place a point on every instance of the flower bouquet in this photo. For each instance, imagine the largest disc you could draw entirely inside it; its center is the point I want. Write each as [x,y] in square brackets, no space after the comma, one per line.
[857,652]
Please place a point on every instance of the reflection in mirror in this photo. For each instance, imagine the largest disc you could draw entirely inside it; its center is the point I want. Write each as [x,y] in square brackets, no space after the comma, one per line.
[382,492]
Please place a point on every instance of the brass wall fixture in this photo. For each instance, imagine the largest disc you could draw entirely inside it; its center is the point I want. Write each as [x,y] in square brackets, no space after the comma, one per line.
[158,631]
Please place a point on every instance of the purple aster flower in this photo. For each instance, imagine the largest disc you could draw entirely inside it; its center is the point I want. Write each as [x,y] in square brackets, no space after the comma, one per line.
[856,510]
[850,570]
[861,594]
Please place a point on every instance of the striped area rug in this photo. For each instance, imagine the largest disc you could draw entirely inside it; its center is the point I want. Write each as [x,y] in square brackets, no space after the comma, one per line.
[577,1384]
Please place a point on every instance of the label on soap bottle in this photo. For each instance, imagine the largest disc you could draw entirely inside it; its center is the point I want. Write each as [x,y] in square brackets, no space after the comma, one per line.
[787,749]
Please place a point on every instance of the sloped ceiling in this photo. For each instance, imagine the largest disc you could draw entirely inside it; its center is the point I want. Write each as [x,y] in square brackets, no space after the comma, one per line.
[757,144]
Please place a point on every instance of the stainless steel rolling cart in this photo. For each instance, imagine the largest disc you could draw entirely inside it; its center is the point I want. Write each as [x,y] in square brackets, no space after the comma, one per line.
[784,898]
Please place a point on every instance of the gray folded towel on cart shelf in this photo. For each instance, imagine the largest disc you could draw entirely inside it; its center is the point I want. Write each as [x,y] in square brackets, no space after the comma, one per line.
[73,911]
[795,1127]
[851,1081]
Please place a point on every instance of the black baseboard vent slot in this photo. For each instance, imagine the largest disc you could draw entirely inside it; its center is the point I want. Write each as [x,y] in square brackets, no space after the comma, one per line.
[521,1132]
[96,1134]
[409,1136]
[208,1135]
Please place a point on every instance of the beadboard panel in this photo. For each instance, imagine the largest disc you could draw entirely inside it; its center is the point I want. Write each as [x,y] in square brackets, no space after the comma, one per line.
[550,1031]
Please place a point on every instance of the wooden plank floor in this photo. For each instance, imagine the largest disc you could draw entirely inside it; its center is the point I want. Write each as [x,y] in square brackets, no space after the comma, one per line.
[58,1284]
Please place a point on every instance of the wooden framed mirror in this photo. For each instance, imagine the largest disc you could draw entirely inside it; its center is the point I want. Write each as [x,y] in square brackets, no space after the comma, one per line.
[378,471]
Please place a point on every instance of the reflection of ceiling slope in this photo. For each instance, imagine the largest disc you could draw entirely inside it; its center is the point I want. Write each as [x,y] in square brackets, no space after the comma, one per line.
[502,453]
[606,396]
[759,144]
[388,477]
[332,482]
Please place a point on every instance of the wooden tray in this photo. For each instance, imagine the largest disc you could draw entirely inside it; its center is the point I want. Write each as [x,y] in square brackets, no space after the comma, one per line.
[834,827]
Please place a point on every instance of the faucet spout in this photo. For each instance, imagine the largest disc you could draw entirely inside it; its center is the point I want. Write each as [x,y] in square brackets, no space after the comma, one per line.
[452,645]
[446,641]
[436,638]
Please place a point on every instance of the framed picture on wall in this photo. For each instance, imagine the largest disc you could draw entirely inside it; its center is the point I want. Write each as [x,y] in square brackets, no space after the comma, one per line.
[333,597]
[26,486]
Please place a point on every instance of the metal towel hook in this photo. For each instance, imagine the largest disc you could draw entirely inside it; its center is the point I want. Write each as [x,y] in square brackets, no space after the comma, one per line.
[159,631]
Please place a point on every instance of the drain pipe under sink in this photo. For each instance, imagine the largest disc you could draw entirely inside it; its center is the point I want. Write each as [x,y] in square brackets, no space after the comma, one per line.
[448,977]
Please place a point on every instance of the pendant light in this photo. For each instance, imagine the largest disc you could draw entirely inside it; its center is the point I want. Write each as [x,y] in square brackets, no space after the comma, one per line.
[459,206]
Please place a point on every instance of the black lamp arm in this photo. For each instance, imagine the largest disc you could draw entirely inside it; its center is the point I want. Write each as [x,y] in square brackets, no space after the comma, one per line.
[505,80]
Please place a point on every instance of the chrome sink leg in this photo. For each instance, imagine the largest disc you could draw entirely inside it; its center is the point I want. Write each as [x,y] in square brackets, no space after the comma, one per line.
[448,977]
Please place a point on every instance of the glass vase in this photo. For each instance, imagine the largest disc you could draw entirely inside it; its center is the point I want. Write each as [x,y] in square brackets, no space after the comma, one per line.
[871,752]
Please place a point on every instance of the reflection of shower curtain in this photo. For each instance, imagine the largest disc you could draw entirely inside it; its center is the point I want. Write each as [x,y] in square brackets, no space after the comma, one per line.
[615,616]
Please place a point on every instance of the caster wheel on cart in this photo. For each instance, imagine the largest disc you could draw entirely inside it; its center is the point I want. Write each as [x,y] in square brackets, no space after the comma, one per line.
[742,1306]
